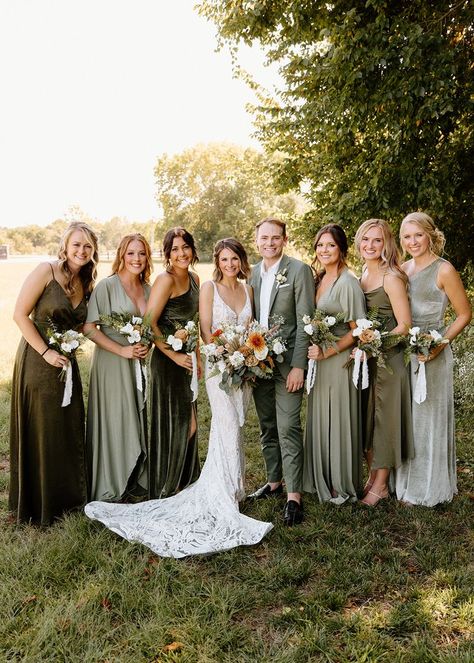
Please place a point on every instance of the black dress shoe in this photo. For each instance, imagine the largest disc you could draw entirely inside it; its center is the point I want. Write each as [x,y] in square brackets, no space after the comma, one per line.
[293,513]
[266,491]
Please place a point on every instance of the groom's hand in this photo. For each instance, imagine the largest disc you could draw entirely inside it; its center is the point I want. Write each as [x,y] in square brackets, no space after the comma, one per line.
[295,379]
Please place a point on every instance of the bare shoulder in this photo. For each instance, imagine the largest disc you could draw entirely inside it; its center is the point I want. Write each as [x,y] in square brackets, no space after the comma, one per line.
[446,270]
[207,287]
[408,267]
[394,282]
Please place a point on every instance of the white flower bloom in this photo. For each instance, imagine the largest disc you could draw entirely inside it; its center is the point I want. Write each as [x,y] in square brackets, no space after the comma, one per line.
[239,329]
[134,337]
[377,334]
[306,319]
[309,329]
[363,323]
[221,366]
[436,336]
[237,359]
[126,329]
[261,354]
[330,320]
[190,326]
[136,320]
[176,343]
[66,347]
[209,350]
[278,348]
[413,331]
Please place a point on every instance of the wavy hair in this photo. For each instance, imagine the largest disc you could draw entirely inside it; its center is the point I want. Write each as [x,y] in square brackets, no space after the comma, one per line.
[87,273]
[427,225]
[340,238]
[178,231]
[233,245]
[119,261]
[390,257]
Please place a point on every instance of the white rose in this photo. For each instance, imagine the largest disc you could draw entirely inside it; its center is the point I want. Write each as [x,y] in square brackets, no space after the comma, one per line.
[436,336]
[239,329]
[126,329]
[363,323]
[176,343]
[209,350]
[413,331]
[309,329]
[330,320]
[278,347]
[134,337]
[261,354]
[190,326]
[306,319]
[236,359]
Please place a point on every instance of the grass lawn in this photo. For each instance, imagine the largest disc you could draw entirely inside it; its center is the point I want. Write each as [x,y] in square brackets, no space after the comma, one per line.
[351,584]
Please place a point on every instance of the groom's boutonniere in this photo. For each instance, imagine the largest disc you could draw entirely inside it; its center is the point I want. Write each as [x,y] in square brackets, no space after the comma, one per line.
[280,277]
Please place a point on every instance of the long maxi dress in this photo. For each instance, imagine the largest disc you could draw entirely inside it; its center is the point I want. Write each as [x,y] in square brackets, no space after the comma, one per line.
[172,456]
[116,414]
[333,436]
[430,477]
[203,518]
[387,428]
[47,441]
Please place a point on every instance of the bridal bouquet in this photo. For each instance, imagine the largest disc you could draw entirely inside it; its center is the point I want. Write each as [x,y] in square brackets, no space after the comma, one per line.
[372,342]
[185,338]
[137,330]
[421,343]
[243,354]
[66,343]
[318,327]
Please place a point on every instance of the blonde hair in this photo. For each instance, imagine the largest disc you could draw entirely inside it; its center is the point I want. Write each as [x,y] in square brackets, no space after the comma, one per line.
[390,257]
[119,261]
[426,223]
[87,273]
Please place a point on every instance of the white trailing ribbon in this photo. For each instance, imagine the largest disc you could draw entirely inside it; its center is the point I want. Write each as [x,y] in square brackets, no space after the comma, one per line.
[311,376]
[360,361]
[68,385]
[420,388]
[140,377]
[194,378]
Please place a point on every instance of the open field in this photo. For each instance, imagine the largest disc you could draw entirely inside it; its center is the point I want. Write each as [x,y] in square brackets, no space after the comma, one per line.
[350,585]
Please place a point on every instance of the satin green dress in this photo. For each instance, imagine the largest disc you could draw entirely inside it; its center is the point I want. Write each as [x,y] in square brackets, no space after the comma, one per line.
[333,436]
[116,413]
[47,441]
[388,428]
[173,458]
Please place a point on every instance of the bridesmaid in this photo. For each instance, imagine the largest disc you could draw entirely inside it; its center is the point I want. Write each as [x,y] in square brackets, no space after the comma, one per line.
[116,413]
[174,300]
[430,477]
[388,427]
[333,439]
[47,446]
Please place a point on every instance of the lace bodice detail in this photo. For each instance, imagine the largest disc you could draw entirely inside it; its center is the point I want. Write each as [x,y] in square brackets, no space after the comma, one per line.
[222,313]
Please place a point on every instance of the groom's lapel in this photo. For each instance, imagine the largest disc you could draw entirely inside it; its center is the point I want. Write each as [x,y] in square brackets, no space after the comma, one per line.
[273,294]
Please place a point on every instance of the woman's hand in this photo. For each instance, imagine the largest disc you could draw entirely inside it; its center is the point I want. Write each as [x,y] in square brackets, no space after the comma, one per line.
[315,352]
[182,359]
[53,358]
[432,354]
[136,351]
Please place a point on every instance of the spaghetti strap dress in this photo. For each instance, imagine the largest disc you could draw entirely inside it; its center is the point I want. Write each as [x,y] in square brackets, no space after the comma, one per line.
[172,455]
[387,428]
[47,441]
[430,477]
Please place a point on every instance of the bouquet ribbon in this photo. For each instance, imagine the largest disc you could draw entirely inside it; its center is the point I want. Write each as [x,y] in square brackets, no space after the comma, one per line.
[420,388]
[140,377]
[194,377]
[311,376]
[360,362]
[67,386]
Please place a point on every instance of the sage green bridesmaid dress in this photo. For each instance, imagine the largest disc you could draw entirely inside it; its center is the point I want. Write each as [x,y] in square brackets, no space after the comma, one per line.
[173,458]
[47,441]
[388,428]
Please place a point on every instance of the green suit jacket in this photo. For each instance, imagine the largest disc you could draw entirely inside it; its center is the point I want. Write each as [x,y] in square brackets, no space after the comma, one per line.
[290,299]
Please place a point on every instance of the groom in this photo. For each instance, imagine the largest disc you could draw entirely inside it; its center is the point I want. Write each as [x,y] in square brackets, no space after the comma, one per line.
[283,287]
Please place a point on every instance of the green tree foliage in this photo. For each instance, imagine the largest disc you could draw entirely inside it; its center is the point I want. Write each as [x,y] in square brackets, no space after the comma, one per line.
[219,190]
[375,115]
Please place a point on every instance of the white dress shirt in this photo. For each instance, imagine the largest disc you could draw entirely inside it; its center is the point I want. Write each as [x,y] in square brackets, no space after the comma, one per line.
[268,278]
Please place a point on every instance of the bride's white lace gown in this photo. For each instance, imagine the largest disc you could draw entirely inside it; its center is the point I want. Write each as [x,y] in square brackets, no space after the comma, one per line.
[204,517]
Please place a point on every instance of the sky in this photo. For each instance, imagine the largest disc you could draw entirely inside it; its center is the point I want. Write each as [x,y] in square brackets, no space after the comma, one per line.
[93,91]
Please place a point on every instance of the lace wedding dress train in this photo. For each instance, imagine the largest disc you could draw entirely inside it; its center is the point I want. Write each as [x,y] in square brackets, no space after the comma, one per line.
[203,518]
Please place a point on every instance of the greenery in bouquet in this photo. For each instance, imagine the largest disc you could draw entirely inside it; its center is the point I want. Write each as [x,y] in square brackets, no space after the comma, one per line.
[373,339]
[421,343]
[66,342]
[184,338]
[242,354]
[137,329]
[318,327]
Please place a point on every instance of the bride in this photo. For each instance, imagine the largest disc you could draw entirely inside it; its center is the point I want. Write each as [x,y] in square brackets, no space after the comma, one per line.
[204,517]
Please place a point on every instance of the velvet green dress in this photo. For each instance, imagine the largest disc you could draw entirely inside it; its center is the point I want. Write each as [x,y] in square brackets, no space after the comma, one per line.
[388,428]
[47,441]
[173,458]
[333,436]
[116,412]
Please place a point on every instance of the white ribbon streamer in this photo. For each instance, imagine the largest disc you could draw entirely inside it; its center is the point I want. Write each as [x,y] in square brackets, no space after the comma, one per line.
[311,376]
[67,386]
[194,378]
[138,374]
[360,358]
[420,388]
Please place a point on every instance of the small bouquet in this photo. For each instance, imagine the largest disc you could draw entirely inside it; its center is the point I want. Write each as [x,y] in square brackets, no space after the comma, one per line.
[372,342]
[243,354]
[66,343]
[137,330]
[318,328]
[421,343]
[185,339]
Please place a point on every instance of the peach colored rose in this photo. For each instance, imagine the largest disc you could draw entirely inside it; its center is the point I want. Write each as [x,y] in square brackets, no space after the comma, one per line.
[367,336]
[182,334]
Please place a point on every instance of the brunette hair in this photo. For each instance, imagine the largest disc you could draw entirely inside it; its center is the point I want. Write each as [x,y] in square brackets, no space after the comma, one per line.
[390,257]
[426,223]
[276,222]
[178,231]
[233,245]
[340,238]
[87,273]
[119,261]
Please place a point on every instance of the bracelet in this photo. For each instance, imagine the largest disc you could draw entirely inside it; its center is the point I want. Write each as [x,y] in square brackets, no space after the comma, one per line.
[45,351]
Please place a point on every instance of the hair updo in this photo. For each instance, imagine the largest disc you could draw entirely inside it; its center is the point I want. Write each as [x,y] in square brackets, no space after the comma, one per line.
[426,223]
